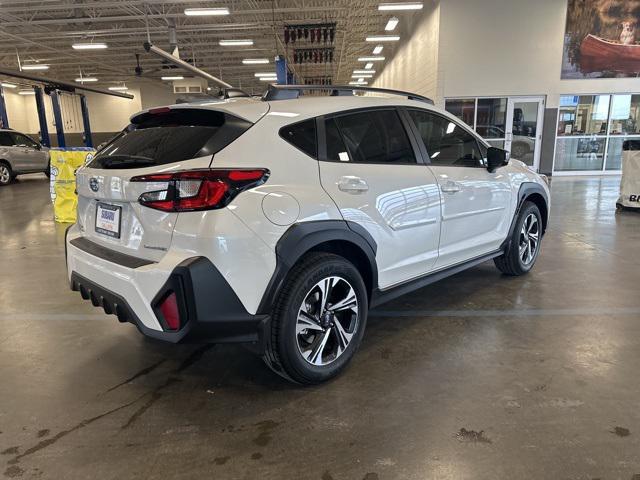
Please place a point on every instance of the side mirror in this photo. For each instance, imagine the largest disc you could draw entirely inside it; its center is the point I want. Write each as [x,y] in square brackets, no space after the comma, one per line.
[496,158]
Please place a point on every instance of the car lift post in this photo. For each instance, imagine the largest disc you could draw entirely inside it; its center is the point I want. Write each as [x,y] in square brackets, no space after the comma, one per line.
[42,117]
[281,70]
[88,140]
[4,120]
[57,116]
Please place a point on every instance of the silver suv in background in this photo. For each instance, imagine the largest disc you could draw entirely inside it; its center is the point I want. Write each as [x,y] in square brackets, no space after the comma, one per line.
[20,154]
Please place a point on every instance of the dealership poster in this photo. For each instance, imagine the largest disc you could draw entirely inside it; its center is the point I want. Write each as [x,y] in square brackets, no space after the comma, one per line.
[602,39]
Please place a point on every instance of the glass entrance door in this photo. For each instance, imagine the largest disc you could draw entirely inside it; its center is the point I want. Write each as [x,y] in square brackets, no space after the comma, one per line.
[524,129]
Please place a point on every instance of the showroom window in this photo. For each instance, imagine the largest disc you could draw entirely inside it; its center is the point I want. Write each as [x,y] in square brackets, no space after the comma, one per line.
[487,116]
[592,129]
[463,108]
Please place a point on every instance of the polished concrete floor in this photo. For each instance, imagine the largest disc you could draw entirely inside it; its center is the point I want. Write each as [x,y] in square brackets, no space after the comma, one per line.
[477,377]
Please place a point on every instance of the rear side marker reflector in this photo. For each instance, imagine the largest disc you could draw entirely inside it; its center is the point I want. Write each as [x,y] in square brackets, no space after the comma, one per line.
[194,190]
[169,309]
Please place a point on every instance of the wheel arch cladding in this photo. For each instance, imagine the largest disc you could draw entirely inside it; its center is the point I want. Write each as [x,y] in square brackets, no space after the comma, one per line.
[346,239]
[533,192]
[541,203]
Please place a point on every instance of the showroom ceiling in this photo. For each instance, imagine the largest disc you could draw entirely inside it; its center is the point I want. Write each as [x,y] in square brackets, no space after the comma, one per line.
[44,31]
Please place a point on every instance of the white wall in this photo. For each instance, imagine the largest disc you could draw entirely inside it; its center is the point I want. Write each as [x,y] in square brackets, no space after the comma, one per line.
[414,67]
[106,113]
[111,114]
[155,94]
[509,47]
[490,48]
[18,118]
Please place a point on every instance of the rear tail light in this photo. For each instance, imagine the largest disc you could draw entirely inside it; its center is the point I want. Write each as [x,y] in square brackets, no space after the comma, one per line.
[193,190]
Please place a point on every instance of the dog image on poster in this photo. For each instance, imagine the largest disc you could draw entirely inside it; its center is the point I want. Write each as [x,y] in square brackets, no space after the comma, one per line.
[602,39]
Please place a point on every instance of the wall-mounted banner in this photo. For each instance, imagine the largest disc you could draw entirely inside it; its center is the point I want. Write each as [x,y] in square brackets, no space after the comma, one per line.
[602,39]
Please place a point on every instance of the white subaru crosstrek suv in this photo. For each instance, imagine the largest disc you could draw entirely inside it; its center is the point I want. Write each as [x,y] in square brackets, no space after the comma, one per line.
[281,222]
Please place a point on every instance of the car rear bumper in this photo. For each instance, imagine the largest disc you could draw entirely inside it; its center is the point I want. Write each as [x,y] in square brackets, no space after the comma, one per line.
[209,309]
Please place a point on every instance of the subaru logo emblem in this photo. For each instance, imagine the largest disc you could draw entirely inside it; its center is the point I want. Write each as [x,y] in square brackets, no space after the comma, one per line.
[94,185]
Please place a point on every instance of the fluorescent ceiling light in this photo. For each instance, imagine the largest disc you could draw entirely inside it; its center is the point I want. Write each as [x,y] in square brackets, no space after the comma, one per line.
[392,24]
[89,46]
[268,79]
[383,38]
[400,6]
[265,74]
[378,50]
[86,79]
[26,92]
[361,75]
[234,43]
[364,71]
[368,66]
[370,59]
[205,12]
[176,77]
[118,89]
[35,66]
[359,83]
[255,61]
[8,85]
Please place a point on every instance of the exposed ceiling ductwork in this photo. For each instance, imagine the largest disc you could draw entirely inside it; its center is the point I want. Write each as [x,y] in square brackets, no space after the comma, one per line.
[45,35]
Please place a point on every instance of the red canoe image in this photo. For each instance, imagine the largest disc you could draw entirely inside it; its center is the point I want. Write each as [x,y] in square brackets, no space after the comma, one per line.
[598,54]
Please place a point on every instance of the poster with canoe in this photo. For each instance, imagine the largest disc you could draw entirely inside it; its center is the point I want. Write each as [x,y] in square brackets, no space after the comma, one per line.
[602,39]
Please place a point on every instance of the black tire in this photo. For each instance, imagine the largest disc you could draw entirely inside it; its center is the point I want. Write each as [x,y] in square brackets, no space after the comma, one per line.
[283,353]
[511,262]
[6,174]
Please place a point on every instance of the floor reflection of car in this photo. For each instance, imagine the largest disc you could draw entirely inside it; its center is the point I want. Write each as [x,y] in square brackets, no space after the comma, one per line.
[521,145]
[20,154]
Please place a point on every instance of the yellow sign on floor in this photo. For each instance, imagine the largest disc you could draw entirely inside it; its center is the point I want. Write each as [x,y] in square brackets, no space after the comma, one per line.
[64,164]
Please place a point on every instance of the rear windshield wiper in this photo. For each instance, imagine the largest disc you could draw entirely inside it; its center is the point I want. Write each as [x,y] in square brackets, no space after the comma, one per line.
[125,161]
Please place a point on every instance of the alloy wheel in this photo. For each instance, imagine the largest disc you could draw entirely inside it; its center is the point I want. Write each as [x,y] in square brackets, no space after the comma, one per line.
[327,321]
[529,239]
[5,175]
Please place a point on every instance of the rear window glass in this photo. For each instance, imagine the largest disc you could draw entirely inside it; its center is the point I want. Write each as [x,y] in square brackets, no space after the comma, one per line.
[303,136]
[170,136]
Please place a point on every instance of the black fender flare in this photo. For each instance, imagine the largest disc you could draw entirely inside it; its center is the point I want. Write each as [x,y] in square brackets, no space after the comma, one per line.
[300,238]
[526,190]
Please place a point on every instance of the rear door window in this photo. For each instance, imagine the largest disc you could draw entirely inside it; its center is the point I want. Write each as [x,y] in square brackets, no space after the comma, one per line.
[336,149]
[167,136]
[375,136]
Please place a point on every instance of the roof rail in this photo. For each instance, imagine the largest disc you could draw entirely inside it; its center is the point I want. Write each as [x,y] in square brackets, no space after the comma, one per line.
[288,92]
